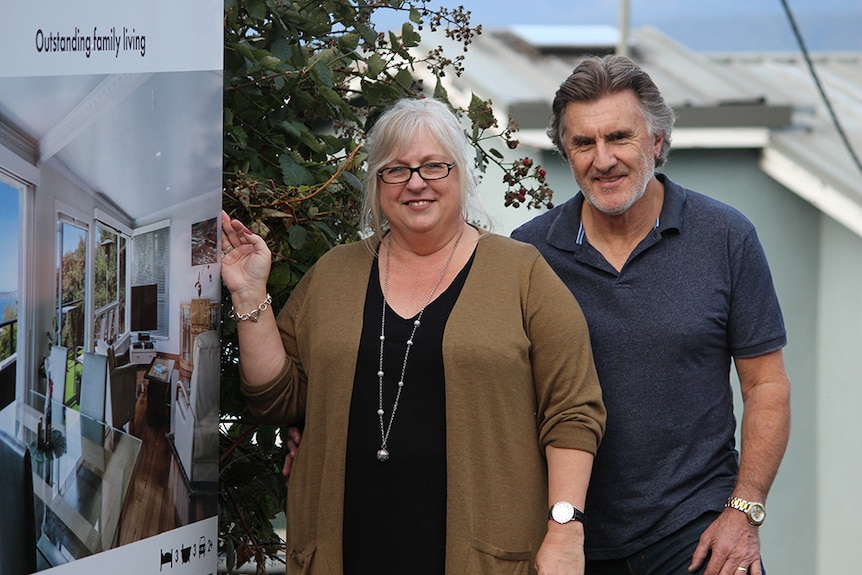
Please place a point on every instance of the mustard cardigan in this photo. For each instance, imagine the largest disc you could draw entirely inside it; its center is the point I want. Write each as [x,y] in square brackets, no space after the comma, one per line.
[519,377]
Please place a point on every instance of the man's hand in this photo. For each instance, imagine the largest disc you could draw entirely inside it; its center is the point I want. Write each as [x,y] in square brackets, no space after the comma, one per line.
[732,542]
[293,439]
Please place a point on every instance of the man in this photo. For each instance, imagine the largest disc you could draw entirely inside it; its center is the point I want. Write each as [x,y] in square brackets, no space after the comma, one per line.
[673,285]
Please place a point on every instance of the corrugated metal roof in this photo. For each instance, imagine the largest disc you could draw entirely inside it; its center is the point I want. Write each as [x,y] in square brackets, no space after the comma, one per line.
[549,36]
[719,92]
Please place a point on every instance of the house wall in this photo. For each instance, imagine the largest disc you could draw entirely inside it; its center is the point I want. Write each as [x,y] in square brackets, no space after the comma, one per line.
[815,479]
[790,231]
[835,511]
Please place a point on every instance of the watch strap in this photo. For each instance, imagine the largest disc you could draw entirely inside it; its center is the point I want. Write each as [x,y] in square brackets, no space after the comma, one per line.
[577,514]
[746,507]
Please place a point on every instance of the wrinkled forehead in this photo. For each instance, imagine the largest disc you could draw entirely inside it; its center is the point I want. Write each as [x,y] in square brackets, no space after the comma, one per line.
[619,112]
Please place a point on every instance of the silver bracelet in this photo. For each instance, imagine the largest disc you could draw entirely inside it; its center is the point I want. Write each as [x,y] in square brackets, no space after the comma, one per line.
[254,314]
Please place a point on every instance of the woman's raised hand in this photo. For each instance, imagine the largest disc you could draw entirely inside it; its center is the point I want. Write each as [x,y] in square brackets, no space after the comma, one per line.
[245,263]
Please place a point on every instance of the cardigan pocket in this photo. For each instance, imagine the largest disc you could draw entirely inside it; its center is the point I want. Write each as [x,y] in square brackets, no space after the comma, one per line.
[299,561]
[486,558]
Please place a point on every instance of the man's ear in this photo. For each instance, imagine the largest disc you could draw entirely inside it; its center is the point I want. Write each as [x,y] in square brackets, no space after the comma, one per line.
[656,149]
[659,140]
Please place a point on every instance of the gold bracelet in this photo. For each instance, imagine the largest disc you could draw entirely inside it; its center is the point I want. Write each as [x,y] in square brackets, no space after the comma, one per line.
[254,314]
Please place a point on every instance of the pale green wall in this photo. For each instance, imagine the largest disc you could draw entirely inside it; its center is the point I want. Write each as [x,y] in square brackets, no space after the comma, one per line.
[839,377]
[790,231]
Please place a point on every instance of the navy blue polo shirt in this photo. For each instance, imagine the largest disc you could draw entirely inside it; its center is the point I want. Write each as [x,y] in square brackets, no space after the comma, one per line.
[694,293]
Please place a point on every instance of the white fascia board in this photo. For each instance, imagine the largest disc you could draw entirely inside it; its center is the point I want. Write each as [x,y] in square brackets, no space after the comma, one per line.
[683,138]
[537,139]
[720,138]
[813,189]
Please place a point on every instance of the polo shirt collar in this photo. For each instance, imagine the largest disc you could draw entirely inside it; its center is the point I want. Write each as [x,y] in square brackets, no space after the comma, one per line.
[566,231]
[672,207]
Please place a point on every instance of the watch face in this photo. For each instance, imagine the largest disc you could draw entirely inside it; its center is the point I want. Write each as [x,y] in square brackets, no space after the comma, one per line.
[757,513]
[563,512]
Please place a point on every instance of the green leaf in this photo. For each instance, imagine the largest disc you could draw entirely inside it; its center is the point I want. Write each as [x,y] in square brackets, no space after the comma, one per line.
[256,9]
[239,136]
[376,64]
[394,41]
[349,42]
[281,49]
[409,35]
[481,113]
[270,62]
[293,130]
[440,91]
[293,173]
[281,275]
[311,141]
[299,56]
[265,437]
[373,92]
[297,237]
[326,229]
[332,144]
[404,78]
[351,180]
[369,34]
[324,74]
[244,50]
[331,96]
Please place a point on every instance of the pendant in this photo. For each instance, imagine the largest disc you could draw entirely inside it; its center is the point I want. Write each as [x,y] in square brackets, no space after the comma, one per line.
[382,455]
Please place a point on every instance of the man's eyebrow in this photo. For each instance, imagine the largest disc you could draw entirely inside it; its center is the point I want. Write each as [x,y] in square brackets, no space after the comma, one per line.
[622,133]
[579,139]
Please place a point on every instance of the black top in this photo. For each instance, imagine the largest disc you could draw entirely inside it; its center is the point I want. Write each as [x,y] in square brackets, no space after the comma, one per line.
[395,511]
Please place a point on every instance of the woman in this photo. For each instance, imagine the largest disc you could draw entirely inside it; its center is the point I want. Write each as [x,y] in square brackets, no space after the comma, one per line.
[443,377]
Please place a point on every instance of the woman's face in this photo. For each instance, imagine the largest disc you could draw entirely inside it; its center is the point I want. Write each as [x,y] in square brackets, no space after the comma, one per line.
[418,206]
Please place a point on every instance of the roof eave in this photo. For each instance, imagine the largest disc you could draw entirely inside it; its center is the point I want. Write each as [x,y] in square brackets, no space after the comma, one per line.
[831,201]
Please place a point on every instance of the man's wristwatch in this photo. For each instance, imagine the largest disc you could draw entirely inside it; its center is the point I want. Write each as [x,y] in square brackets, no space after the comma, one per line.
[754,510]
[563,512]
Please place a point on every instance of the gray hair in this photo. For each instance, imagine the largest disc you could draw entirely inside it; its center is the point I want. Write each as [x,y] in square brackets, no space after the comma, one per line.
[595,78]
[393,134]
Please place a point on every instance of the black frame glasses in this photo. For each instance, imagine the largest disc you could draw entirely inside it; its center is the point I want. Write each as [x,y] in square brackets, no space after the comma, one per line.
[428,172]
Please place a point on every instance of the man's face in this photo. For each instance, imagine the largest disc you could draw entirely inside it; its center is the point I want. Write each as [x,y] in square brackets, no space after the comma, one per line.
[610,150]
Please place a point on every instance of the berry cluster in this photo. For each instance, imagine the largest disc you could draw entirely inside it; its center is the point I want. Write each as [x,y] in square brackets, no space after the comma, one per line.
[526,184]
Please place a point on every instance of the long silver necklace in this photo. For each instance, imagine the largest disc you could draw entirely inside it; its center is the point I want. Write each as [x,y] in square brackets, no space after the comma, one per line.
[383,452]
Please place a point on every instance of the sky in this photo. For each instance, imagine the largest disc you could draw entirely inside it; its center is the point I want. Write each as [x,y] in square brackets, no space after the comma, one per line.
[717,26]
[8,238]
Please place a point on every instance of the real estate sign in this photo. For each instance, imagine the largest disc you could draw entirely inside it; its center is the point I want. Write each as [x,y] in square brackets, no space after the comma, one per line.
[110,136]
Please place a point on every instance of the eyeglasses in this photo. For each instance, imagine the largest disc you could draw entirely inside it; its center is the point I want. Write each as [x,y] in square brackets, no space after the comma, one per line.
[428,172]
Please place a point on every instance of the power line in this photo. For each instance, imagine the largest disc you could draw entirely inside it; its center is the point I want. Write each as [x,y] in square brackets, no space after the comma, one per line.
[823,95]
